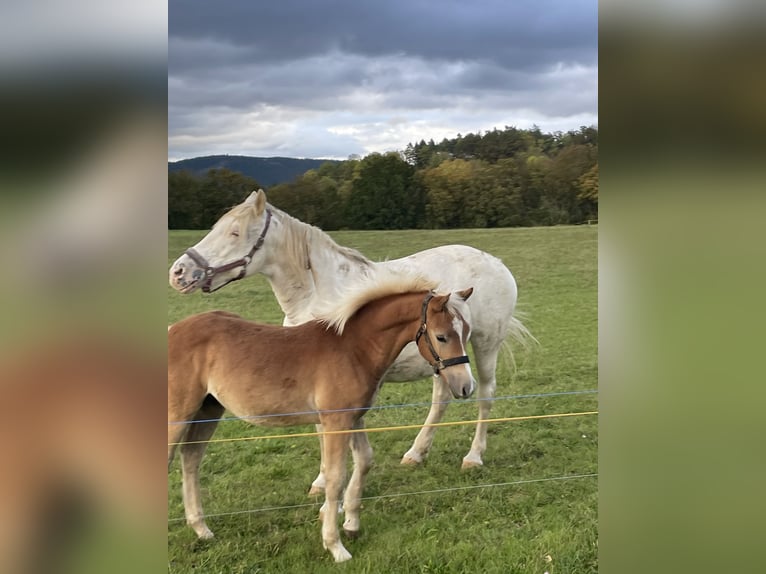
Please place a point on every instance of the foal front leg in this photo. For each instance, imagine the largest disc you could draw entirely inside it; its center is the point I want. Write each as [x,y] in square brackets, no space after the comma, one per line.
[191,457]
[335,449]
[317,487]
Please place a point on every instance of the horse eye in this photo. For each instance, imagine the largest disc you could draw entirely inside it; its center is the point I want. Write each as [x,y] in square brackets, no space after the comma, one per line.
[235,233]
[441,338]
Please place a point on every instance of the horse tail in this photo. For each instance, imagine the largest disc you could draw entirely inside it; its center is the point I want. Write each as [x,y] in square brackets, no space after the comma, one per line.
[519,332]
[520,335]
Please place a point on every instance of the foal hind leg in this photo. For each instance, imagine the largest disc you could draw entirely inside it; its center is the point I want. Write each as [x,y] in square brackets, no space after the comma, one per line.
[486,363]
[191,457]
[425,438]
[352,501]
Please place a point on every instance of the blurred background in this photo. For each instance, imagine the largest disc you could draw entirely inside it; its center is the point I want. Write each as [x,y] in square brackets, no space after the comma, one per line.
[681,276]
[83,106]
[82,242]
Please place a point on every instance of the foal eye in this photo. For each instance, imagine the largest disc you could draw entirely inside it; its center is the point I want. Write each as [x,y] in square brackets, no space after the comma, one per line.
[235,233]
[441,338]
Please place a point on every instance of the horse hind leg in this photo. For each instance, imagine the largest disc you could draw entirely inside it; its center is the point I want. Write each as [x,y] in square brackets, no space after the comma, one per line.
[352,501]
[425,438]
[486,364]
[192,451]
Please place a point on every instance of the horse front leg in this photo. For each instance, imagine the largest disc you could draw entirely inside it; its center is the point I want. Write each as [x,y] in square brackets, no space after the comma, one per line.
[425,438]
[335,450]
[318,486]
[352,501]
[486,363]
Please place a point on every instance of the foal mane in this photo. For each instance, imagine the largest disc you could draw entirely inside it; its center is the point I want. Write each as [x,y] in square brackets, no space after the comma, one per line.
[382,282]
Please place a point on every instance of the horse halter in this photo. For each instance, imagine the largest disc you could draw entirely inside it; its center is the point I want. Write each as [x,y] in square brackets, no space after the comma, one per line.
[439,364]
[211,271]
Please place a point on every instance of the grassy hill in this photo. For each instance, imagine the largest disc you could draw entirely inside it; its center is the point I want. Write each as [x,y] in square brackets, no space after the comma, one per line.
[267,171]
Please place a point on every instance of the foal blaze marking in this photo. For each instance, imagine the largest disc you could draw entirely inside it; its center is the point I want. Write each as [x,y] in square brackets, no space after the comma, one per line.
[324,372]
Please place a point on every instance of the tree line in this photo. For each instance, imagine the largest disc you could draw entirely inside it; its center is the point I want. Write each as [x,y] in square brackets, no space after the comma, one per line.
[501,178]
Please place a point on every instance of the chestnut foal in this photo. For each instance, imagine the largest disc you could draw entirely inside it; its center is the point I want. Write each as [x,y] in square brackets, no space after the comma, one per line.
[325,371]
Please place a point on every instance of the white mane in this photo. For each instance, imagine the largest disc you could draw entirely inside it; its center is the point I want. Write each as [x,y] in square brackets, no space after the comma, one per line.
[382,282]
[300,236]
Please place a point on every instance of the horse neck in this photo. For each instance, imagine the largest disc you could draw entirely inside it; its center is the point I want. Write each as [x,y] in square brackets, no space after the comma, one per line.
[385,326]
[304,267]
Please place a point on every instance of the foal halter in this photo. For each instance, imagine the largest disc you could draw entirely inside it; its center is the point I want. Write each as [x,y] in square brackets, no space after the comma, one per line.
[211,271]
[439,364]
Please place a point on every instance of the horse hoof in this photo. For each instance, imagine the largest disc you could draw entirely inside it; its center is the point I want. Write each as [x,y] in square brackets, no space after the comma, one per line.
[341,556]
[315,490]
[408,460]
[351,534]
[339,553]
[471,464]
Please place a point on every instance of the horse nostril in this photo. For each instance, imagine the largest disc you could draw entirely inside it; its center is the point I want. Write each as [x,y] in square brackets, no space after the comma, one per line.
[178,271]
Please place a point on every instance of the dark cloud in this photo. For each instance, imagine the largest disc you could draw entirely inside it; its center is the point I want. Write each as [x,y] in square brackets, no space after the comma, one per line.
[515,34]
[344,67]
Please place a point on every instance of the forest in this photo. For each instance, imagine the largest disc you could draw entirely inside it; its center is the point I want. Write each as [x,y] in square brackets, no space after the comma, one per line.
[501,178]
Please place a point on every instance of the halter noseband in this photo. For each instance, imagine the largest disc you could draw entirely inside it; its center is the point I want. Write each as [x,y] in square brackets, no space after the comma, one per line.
[439,364]
[211,271]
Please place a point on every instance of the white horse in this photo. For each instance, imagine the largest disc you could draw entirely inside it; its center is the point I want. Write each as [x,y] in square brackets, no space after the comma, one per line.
[306,268]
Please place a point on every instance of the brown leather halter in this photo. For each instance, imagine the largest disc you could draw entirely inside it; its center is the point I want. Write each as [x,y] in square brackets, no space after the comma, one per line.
[439,364]
[211,271]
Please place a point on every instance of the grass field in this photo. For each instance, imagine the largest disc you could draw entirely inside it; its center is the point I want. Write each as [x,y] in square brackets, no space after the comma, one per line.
[530,527]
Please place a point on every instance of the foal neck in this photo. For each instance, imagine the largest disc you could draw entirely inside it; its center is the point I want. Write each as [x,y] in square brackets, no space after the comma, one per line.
[387,324]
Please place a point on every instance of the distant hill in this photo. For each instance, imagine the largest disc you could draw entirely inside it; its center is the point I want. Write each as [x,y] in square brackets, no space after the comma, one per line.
[267,171]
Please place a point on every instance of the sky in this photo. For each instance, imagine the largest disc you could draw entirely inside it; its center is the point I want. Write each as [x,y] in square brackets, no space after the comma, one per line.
[332,78]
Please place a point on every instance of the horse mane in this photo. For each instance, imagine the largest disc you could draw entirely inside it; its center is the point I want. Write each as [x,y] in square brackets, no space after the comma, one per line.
[299,235]
[382,282]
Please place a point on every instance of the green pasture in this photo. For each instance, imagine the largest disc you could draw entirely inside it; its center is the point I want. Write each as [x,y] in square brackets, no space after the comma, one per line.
[530,527]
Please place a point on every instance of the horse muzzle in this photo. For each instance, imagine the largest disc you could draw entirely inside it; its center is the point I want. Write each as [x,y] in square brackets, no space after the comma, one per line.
[185,278]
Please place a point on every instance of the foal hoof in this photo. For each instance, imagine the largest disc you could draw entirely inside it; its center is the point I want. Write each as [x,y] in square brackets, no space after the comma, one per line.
[205,535]
[315,490]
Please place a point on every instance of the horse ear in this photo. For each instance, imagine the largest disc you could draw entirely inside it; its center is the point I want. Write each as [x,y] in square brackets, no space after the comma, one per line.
[260,201]
[465,293]
[251,198]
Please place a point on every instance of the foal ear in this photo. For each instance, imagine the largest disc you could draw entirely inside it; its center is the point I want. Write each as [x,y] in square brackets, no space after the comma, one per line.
[465,293]
[440,302]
